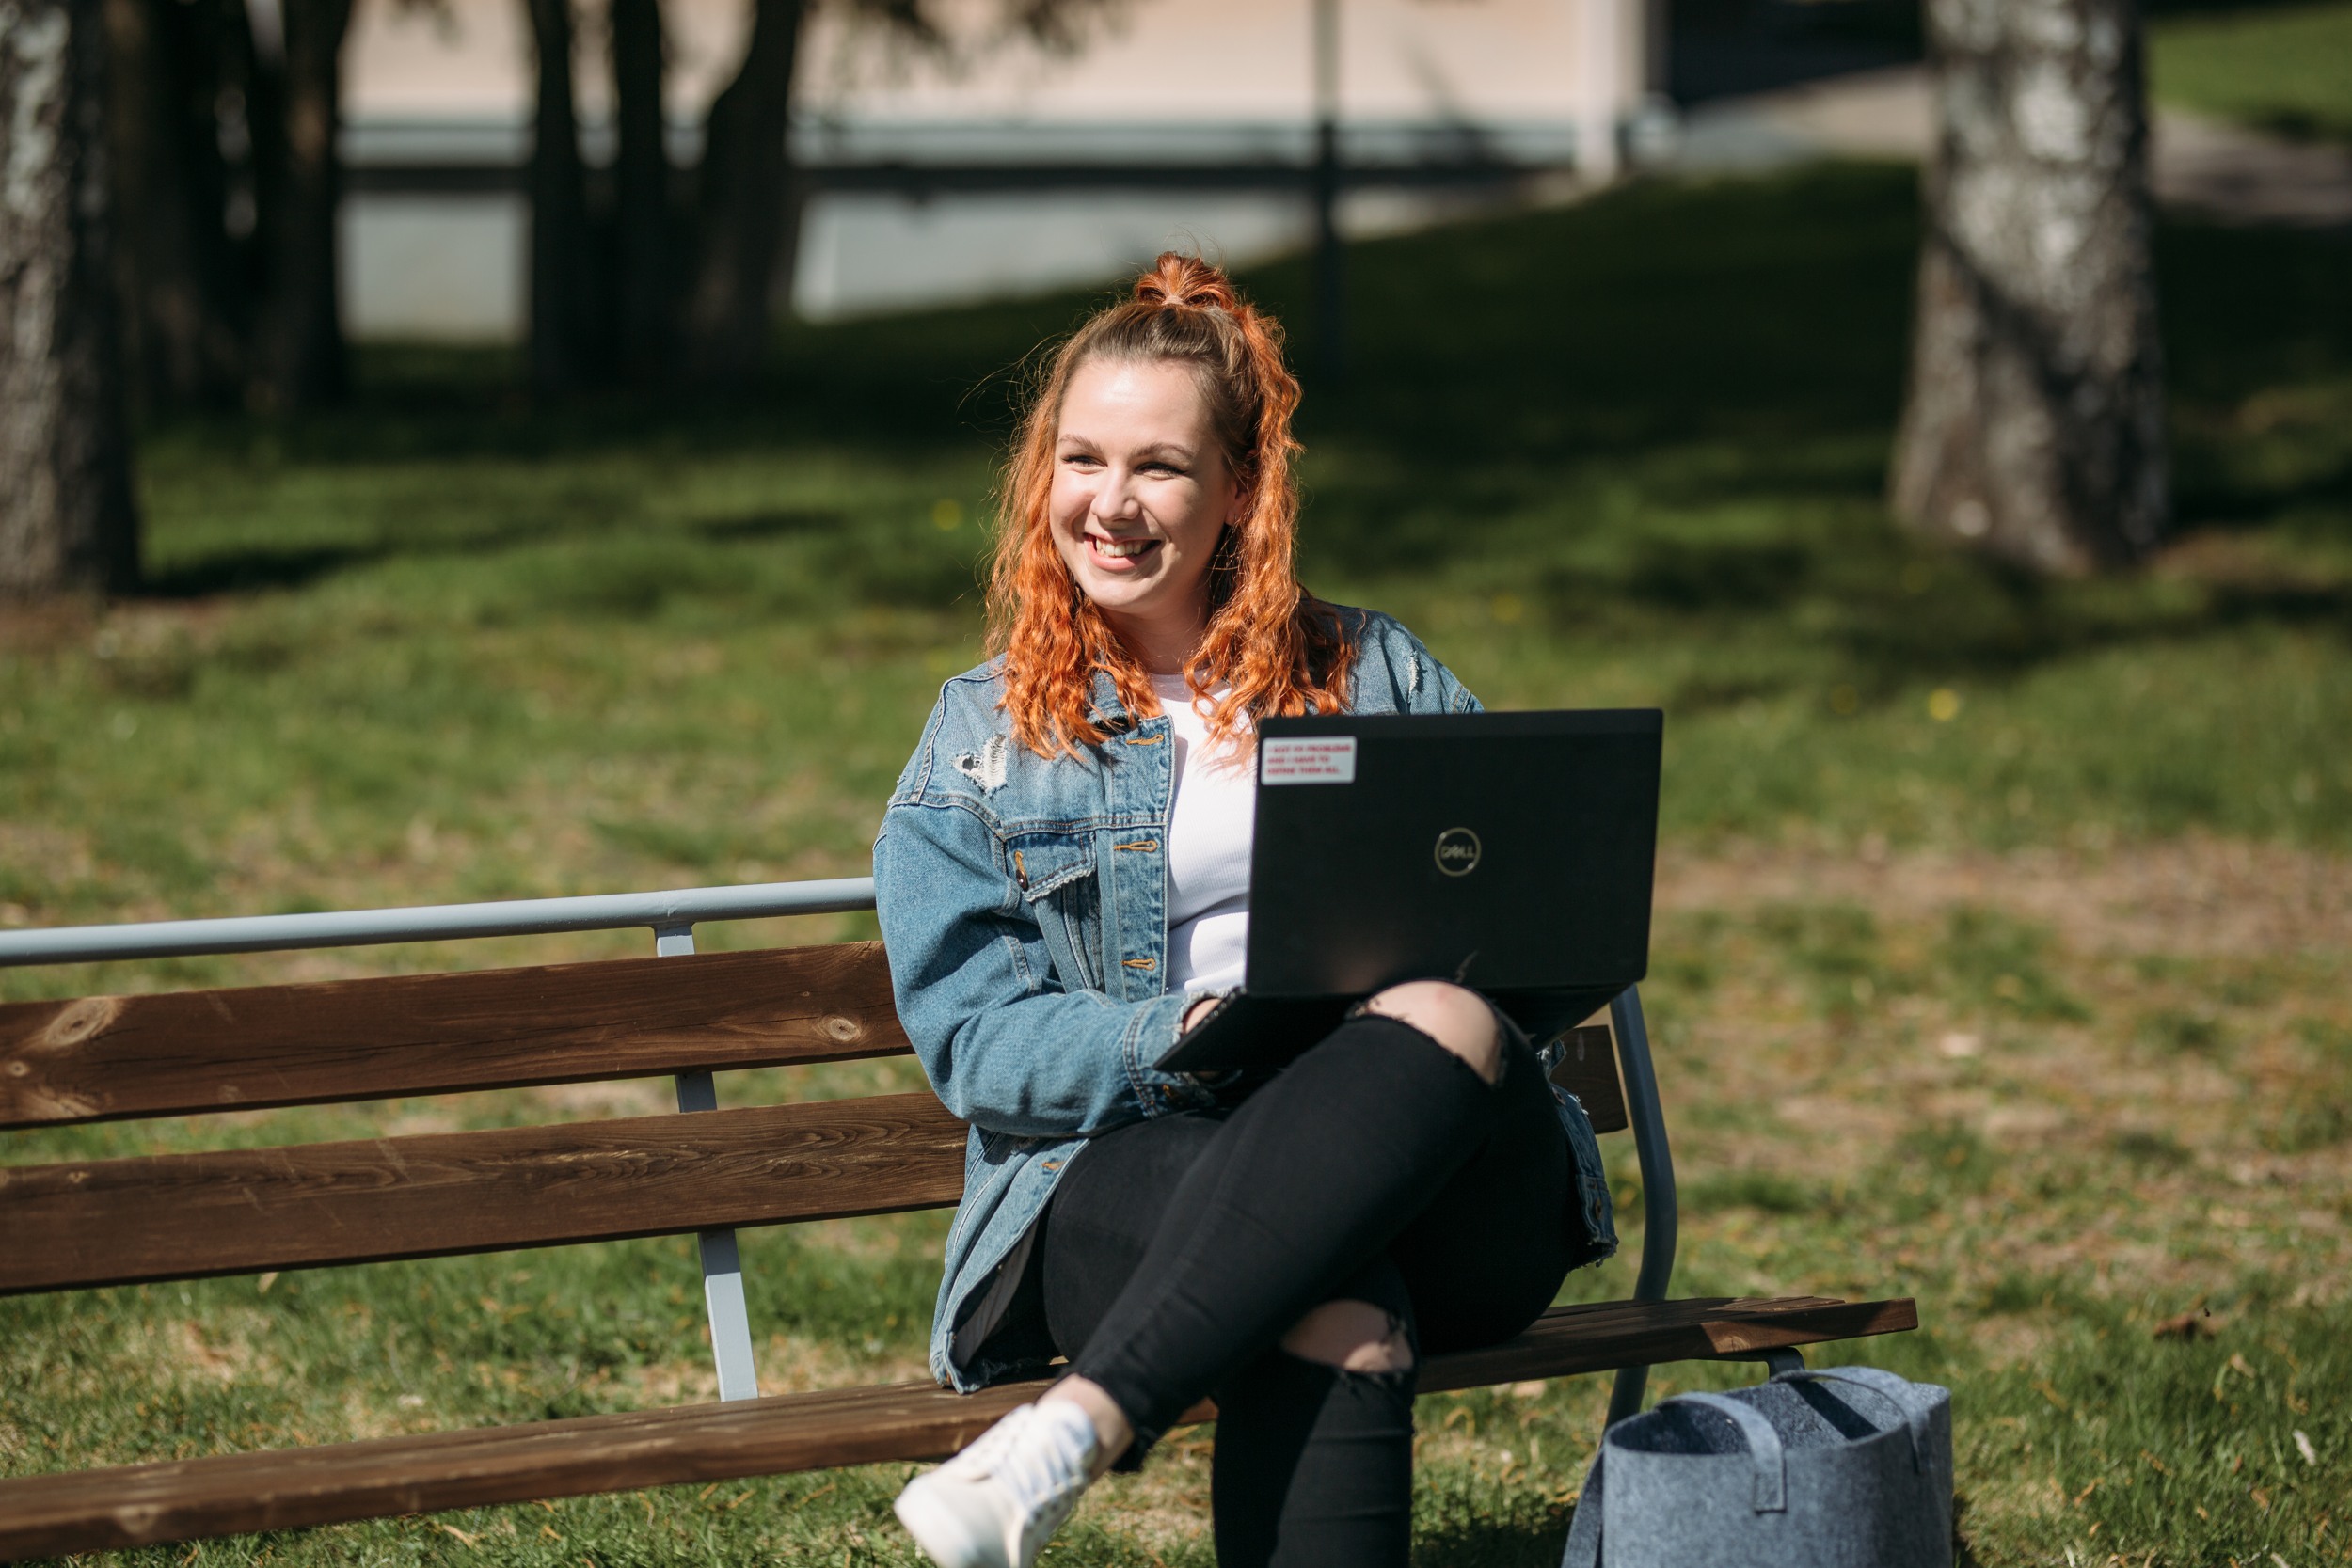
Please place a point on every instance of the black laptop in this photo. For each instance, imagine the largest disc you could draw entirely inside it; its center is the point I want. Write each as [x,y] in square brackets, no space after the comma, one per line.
[1512,852]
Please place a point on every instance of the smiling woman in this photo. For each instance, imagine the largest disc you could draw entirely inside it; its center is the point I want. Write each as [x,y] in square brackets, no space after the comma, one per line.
[1142,495]
[1153,477]
[1063,885]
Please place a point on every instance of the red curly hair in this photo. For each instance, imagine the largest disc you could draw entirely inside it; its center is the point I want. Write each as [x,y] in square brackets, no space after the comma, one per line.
[1278,648]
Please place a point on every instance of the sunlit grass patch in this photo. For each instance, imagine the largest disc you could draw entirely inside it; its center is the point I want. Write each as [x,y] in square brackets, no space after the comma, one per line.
[2284,68]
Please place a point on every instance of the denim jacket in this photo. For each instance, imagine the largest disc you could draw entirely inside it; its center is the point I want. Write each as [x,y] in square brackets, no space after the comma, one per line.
[1023,905]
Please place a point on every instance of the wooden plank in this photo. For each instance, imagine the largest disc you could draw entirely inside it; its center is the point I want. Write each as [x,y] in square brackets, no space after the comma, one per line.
[1562,1344]
[1589,1071]
[178,1216]
[110,1057]
[145,1504]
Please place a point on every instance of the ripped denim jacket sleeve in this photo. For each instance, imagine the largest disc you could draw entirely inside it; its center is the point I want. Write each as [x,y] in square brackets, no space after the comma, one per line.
[1008,1047]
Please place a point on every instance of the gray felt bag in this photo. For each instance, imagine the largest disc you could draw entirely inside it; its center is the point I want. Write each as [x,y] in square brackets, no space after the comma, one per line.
[1846,1467]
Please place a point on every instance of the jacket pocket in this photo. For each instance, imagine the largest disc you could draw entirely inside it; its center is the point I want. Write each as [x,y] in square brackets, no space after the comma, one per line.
[1055,874]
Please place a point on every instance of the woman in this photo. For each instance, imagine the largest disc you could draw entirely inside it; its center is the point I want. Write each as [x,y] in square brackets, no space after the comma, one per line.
[1062,877]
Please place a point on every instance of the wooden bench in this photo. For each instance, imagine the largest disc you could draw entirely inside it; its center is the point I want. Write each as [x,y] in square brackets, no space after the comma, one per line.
[79,1225]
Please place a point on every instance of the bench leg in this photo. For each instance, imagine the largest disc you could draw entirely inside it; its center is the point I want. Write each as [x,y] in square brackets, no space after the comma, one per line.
[1658,1180]
[723,1263]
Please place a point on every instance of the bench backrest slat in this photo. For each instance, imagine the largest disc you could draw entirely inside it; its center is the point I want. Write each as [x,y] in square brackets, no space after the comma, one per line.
[1588,1070]
[103,1058]
[176,1216]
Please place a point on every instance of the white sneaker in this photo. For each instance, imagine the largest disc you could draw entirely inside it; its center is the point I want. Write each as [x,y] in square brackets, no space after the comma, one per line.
[996,1504]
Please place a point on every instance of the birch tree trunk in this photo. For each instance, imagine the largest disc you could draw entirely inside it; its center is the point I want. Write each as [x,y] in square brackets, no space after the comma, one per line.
[2034,424]
[66,514]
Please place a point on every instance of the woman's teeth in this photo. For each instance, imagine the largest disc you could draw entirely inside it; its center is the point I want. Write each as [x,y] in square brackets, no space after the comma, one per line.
[1120,550]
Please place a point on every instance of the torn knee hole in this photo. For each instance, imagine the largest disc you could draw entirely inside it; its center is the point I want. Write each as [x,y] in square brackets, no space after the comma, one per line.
[1352,1335]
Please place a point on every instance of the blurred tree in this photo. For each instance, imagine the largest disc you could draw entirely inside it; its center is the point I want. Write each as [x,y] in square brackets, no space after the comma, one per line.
[2034,423]
[294,105]
[642,190]
[562,313]
[66,518]
[703,308]
[749,214]
[184,303]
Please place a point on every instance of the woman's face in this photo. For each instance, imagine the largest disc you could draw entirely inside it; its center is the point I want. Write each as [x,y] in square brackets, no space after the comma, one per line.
[1141,495]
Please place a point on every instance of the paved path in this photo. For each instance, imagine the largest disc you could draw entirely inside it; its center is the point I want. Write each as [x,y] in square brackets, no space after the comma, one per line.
[2201,165]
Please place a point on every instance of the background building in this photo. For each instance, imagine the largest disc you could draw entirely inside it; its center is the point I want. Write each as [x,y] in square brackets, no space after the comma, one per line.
[993,165]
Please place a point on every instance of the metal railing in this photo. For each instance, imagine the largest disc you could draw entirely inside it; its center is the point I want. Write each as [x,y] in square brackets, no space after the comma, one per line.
[681,908]
[672,917]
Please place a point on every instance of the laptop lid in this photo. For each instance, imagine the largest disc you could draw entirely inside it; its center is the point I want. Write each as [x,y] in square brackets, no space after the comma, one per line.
[1512,853]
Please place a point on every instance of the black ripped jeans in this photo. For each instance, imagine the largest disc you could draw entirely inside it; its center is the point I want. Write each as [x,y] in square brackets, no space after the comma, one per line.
[1378,1167]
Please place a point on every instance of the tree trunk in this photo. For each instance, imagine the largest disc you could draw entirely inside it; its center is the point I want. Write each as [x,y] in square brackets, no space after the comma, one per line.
[298,335]
[2034,428]
[182,314]
[642,190]
[560,321]
[750,212]
[67,519]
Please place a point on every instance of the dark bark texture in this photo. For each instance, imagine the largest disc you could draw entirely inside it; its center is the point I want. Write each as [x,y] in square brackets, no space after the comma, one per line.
[297,111]
[561,317]
[750,208]
[67,520]
[2034,424]
[182,319]
[641,192]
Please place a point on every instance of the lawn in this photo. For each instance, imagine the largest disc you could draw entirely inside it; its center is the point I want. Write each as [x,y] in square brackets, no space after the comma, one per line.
[2001,956]
[2284,68]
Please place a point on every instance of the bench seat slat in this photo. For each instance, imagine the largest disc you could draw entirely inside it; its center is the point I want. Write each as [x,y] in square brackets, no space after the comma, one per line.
[179,1216]
[103,1058]
[234,1494]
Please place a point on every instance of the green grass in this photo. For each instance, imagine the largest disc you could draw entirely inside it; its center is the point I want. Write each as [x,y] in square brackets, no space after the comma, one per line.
[2001,970]
[2282,68]
[440,645]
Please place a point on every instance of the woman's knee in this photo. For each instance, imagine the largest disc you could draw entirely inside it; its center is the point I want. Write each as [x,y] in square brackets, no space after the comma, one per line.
[1454,1015]
[1353,1335]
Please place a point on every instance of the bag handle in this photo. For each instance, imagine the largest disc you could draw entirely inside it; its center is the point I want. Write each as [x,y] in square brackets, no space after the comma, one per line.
[1886,1386]
[1764,1447]
[1583,1548]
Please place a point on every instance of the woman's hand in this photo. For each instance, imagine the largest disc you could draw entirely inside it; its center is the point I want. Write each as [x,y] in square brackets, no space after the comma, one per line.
[1199,1009]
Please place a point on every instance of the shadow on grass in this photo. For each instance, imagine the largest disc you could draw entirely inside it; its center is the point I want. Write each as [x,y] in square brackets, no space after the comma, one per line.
[256,571]
[1512,1541]
[1495,1545]
[1662,414]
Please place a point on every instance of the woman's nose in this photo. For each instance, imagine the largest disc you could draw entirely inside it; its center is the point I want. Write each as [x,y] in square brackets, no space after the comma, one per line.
[1115,496]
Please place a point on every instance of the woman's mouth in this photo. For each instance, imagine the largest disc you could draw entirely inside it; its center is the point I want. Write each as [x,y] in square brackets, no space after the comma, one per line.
[1119,554]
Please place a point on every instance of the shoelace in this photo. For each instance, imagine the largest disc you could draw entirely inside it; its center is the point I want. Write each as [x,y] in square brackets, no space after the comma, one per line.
[1044,1472]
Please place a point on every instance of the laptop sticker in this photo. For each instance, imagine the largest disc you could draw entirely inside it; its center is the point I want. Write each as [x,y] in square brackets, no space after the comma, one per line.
[1306,760]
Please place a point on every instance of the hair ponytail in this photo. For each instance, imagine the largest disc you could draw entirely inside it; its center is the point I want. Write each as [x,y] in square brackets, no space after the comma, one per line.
[1179,280]
[1279,649]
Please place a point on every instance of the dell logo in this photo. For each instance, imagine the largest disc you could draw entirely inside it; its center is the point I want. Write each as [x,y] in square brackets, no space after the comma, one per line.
[1457,851]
